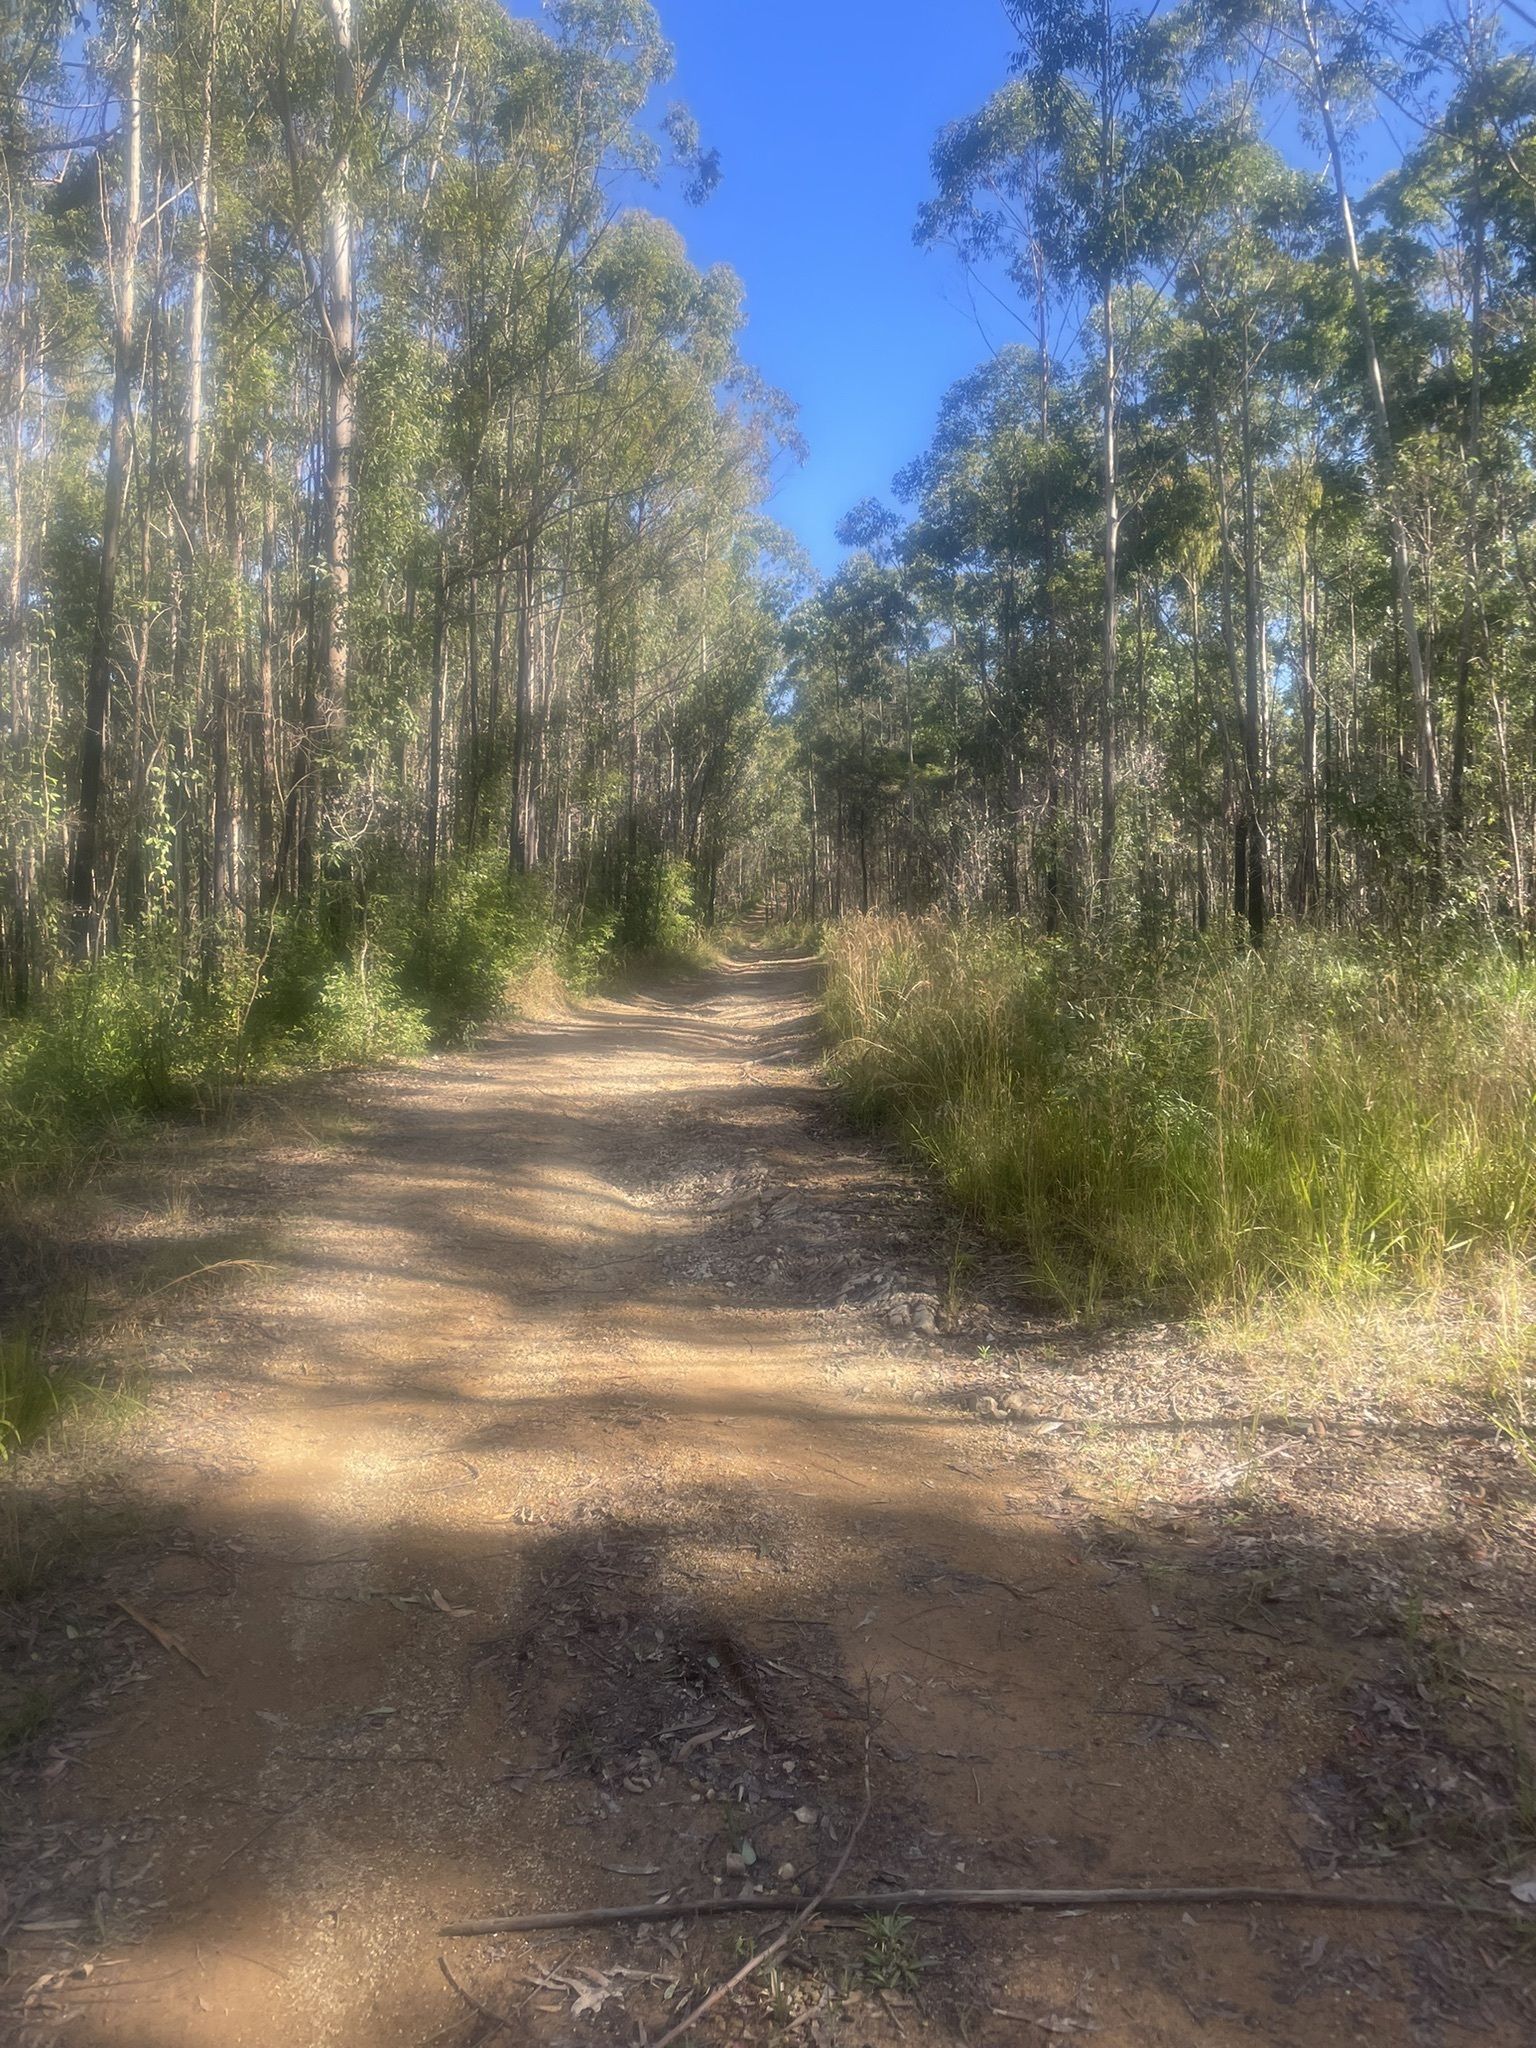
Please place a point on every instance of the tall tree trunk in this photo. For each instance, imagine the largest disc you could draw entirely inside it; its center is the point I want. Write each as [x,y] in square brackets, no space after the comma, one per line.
[124,266]
[193,525]
[1253,905]
[522,709]
[1307,863]
[1472,458]
[325,717]
[1110,644]
[1381,435]
[435,722]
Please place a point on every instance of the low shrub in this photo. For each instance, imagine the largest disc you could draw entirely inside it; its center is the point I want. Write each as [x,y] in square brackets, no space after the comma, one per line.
[148,1029]
[648,905]
[30,1398]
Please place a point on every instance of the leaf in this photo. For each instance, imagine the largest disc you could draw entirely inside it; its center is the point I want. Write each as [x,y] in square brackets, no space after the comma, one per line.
[442,1606]
[706,1735]
[164,1637]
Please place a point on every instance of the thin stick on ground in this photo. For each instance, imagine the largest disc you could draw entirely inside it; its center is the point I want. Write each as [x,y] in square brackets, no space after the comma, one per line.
[781,1941]
[1017,1900]
[501,2021]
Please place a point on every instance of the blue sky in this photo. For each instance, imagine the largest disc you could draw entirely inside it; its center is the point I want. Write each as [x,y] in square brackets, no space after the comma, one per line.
[824,112]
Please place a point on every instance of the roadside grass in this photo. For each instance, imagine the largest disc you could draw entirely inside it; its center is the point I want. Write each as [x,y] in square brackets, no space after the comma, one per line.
[31,1398]
[1193,1130]
[1401,1347]
[790,934]
[41,1396]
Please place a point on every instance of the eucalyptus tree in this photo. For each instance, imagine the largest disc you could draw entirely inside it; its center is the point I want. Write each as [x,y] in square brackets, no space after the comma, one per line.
[1331,56]
[1074,175]
[1460,195]
[1239,279]
[376,478]
[1312,415]
[125,65]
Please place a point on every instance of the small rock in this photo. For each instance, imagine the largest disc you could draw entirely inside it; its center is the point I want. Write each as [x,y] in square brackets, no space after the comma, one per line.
[786,1873]
[806,1815]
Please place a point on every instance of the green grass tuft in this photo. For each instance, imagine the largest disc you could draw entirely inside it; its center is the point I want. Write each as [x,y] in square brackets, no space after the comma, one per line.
[30,1396]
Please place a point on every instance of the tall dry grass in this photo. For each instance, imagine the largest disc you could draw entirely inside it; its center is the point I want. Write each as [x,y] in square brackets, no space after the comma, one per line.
[1195,1127]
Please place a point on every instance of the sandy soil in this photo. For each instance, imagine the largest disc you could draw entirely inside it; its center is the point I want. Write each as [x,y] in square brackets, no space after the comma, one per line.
[581,1502]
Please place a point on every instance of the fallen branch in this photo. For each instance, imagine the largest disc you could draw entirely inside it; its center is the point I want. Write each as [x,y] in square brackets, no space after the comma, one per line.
[501,2021]
[1018,1900]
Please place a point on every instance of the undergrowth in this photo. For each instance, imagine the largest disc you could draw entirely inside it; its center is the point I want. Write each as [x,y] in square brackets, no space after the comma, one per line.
[1195,1128]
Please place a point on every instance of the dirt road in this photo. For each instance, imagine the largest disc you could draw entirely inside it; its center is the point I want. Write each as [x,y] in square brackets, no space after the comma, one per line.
[583,1495]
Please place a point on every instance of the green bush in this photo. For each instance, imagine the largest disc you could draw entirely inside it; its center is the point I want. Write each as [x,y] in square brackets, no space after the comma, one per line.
[360,1017]
[481,930]
[587,950]
[148,1029]
[169,1018]
[1195,1126]
[652,900]
[30,1398]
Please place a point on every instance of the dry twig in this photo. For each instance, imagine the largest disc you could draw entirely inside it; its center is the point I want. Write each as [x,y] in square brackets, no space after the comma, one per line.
[782,1941]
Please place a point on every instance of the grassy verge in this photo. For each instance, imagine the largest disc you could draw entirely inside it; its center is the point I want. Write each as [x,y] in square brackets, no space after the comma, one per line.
[1196,1129]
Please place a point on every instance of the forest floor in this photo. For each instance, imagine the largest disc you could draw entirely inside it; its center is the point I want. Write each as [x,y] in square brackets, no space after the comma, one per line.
[603,1471]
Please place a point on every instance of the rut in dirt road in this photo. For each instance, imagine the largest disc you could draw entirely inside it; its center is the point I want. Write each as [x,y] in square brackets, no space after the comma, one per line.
[584,1499]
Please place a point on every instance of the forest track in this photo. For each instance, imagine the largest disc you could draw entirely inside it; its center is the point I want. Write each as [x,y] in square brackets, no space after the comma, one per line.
[587,1491]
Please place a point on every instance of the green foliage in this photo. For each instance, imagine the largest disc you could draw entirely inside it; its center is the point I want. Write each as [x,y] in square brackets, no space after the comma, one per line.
[588,949]
[480,931]
[326,1001]
[789,934]
[1197,1127]
[653,909]
[360,1017]
[892,1960]
[148,1029]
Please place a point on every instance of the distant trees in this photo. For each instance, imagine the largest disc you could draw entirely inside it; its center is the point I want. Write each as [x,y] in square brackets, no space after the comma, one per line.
[379,489]
[1218,586]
